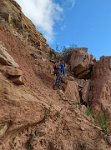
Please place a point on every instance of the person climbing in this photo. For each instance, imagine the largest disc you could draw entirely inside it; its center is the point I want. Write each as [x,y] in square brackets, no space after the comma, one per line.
[57,71]
[62,67]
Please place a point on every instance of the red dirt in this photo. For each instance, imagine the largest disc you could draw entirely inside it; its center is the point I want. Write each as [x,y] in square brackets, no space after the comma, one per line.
[21,55]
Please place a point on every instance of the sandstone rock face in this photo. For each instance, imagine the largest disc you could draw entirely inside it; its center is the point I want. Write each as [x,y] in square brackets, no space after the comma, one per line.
[34,116]
[80,82]
[85,91]
[11,71]
[17,80]
[71,92]
[13,95]
[84,88]
[81,63]
[109,139]
[13,74]
[26,121]
[11,12]
[5,58]
[100,90]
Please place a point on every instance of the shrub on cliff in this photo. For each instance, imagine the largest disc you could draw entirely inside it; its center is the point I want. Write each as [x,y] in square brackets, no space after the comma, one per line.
[67,51]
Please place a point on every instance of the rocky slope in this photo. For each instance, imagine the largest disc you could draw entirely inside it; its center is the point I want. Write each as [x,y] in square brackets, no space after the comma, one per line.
[32,115]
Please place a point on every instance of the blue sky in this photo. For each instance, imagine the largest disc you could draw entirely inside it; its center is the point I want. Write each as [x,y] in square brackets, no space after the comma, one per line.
[87,24]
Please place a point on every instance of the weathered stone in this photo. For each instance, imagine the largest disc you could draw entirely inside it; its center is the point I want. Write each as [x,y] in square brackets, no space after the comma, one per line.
[71,91]
[80,82]
[2,20]
[16,106]
[82,128]
[39,118]
[10,71]
[5,58]
[17,80]
[13,74]
[85,91]
[71,78]
[100,89]
[81,63]
[67,145]
[109,139]
[4,128]
[11,13]
[6,17]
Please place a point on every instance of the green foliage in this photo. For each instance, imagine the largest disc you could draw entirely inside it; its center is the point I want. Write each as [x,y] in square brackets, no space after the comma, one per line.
[100,118]
[31,139]
[68,50]
[30,142]
[47,113]
[57,114]
[89,111]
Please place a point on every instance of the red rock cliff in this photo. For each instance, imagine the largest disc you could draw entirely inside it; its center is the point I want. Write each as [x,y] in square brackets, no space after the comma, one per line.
[32,114]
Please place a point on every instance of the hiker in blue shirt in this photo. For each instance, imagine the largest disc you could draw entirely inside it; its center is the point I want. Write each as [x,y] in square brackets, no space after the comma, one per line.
[58,71]
[62,67]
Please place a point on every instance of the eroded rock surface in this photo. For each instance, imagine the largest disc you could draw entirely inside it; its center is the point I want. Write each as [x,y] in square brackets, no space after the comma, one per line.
[5,58]
[81,63]
[72,92]
[34,116]
[100,93]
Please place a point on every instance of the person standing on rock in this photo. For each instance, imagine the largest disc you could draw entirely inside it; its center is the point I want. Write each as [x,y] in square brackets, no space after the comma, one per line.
[62,68]
[57,71]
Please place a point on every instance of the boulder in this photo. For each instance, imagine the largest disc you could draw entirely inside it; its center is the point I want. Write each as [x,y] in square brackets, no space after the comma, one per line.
[81,63]
[13,74]
[10,71]
[5,58]
[17,80]
[72,92]
[84,88]
[80,82]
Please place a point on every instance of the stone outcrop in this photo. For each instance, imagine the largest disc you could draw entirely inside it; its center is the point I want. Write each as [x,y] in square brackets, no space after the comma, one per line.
[81,63]
[13,74]
[15,107]
[85,91]
[5,58]
[72,92]
[17,80]
[10,71]
[11,13]
[27,122]
[34,116]
[109,139]
[9,67]
[100,90]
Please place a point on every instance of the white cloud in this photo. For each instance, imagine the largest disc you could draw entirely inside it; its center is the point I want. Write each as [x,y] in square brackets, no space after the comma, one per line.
[43,13]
